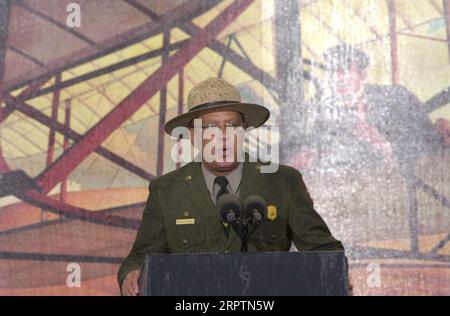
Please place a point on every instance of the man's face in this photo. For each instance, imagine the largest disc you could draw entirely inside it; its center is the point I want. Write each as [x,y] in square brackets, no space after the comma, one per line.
[227,145]
[347,82]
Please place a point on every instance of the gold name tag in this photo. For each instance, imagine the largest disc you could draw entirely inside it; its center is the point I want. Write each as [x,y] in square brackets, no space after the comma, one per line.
[185,221]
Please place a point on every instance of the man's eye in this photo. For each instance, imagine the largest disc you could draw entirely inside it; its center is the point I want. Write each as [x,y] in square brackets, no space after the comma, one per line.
[208,125]
[233,124]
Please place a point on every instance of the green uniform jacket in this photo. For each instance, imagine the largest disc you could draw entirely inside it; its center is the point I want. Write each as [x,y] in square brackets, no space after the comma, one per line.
[180,216]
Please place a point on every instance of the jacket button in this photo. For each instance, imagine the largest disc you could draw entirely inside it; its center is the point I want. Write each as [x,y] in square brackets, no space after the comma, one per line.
[185,241]
[273,236]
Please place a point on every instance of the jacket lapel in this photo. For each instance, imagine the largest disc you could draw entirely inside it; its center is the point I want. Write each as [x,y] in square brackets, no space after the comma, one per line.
[252,180]
[198,195]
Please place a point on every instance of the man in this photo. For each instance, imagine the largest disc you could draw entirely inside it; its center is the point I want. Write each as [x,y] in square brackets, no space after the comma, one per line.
[190,192]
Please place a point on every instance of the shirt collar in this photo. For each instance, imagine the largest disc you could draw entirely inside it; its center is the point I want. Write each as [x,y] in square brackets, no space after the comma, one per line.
[234,178]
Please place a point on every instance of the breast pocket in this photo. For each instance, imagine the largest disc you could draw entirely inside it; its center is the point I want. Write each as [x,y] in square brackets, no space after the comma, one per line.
[185,235]
[270,235]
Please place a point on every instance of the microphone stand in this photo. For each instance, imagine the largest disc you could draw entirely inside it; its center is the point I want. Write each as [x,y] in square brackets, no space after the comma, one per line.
[246,232]
[244,236]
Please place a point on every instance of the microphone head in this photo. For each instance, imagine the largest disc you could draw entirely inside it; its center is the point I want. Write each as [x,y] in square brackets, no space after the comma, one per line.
[255,208]
[229,207]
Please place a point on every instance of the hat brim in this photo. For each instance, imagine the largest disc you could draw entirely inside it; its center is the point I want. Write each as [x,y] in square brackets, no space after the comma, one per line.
[255,115]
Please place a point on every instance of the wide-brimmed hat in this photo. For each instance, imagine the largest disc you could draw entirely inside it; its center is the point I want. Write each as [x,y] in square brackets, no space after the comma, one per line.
[214,95]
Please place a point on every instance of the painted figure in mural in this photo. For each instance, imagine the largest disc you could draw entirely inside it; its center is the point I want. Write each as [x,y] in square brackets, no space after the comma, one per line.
[358,124]
[361,148]
[180,217]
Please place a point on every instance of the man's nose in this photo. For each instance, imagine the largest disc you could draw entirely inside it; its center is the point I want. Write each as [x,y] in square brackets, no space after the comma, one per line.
[225,133]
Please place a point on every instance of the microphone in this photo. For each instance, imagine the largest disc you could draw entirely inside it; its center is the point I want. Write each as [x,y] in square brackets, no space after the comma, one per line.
[255,208]
[229,207]
[244,220]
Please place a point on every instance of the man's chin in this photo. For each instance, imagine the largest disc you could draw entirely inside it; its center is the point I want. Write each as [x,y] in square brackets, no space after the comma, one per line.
[225,165]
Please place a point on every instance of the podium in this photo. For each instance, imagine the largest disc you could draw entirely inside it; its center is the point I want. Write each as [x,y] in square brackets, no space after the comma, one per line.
[245,274]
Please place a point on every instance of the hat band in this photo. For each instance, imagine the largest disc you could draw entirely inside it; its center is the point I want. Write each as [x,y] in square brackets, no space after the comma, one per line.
[212,104]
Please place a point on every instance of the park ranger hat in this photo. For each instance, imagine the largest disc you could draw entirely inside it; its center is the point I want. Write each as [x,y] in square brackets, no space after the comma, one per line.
[214,95]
